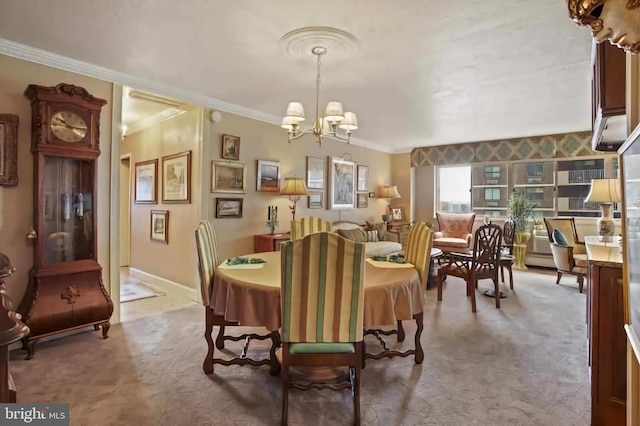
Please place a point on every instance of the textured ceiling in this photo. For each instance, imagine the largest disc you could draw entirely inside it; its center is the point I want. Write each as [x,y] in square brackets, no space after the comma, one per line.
[428,72]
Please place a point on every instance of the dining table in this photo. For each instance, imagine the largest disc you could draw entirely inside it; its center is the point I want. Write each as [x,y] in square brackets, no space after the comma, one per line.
[249,295]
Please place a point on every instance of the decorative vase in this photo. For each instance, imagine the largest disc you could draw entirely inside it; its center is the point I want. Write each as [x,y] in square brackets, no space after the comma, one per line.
[520,249]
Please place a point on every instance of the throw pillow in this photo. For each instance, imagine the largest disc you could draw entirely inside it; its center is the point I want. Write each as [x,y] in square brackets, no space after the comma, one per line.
[559,238]
[380,227]
[372,236]
[357,235]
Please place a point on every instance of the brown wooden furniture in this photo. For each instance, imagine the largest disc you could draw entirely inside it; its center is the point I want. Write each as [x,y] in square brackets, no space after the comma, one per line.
[11,330]
[269,242]
[608,93]
[483,263]
[506,260]
[65,289]
[607,339]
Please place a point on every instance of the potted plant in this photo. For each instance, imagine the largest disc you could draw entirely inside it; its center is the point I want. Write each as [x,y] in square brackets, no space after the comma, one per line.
[520,210]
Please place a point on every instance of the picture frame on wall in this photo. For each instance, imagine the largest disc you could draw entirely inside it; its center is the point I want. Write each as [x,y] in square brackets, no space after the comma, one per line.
[342,183]
[268,176]
[230,147]
[315,173]
[397,214]
[176,178]
[146,182]
[228,177]
[362,200]
[229,208]
[363,178]
[314,200]
[8,149]
[159,226]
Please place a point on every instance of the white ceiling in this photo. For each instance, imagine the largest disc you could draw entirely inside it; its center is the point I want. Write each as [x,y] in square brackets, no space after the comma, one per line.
[428,72]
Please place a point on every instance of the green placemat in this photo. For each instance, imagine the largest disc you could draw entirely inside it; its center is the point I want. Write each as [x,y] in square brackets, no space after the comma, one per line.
[244,260]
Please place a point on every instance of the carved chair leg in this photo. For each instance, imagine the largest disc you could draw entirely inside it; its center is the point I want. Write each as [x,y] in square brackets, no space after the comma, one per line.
[274,368]
[559,276]
[355,386]
[419,357]
[96,327]
[580,282]
[207,366]
[220,338]
[502,273]
[472,288]
[29,345]
[105,329]
[440,285]
[285,395]
[401,334]
[496,285]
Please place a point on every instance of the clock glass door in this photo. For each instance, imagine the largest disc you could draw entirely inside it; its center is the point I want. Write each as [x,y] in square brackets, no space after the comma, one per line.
[68,210]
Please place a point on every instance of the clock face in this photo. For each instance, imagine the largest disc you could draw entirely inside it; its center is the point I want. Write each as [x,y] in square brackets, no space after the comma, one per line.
[68,126]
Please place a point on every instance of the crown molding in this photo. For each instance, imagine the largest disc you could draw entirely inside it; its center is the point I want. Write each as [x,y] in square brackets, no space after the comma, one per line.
[43,57]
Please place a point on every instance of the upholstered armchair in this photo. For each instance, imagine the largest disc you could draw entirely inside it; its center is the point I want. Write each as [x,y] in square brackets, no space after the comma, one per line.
[569,254]
[454,232]
[308,225]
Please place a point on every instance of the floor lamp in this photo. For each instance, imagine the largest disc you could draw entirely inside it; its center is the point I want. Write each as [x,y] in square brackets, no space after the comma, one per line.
[606,192]
[389,192]
[294,187]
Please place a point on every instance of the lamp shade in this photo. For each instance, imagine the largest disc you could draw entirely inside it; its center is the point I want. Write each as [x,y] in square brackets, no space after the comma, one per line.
[294,186]
[604,191]
[350,121]
[295,112]
[334,112]
[288,122]
[389,192]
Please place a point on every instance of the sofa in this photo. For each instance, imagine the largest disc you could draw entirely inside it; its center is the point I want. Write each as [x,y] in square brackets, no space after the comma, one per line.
[388,241]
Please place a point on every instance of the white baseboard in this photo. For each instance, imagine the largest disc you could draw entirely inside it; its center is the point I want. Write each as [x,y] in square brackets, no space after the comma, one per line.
[165,285]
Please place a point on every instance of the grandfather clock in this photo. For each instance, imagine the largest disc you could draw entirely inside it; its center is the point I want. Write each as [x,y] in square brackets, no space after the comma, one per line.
[65,284]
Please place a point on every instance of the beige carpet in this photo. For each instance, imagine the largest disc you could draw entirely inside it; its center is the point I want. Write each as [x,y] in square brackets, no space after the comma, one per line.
[525,364]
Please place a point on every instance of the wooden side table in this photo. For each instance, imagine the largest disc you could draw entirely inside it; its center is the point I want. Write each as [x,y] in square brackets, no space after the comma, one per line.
[269,242]
[400,228]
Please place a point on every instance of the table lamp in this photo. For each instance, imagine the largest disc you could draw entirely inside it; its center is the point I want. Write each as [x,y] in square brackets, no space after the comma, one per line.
[294,187]
[606,192]
[389,192]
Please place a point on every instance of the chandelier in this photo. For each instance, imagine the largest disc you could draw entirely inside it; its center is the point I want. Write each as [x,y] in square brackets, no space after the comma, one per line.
[334,116]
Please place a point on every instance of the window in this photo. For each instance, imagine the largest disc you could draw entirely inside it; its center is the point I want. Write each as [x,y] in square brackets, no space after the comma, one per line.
[535,172]
[491,174]
[535,194]
[454,189]
[492,194]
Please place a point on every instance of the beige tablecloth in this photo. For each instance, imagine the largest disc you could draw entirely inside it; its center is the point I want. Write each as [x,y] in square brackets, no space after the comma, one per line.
[252,297]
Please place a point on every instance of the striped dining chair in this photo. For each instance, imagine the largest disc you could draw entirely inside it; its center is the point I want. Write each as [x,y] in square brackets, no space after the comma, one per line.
[308,225]
[322,300]
[418,251]
[208,261]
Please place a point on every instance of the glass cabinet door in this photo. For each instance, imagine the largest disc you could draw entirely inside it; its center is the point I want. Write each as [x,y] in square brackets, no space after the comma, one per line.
[67,216]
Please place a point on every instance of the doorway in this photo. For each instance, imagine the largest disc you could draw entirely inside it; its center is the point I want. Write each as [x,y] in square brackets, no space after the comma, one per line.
[125,210]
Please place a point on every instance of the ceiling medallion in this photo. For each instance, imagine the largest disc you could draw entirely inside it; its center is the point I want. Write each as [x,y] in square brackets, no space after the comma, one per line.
[300,42]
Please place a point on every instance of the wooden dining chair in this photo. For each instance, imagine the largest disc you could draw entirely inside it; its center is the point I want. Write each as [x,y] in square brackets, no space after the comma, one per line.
[322,298]
[482,263]
[308,225]
[507,260]
[208,261]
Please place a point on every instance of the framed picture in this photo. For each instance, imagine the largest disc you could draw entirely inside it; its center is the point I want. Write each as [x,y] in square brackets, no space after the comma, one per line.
[230,147]
[315,200]
[268,176]
[342,174]
[176,178]
[363,178]
[160,226]
[146,182]
[229,208]
[8,149]
[363,200]
[228,177]
[315,173]
[397,214]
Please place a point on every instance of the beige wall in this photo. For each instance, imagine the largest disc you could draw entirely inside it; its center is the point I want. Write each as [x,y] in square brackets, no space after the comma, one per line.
[401,176]
[265,141]
[16,202]
[424,189]
[175,261]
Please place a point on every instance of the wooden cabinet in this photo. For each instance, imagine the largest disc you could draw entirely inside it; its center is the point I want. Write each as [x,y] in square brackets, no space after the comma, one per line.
[268,242]
[608,97]
[607,339]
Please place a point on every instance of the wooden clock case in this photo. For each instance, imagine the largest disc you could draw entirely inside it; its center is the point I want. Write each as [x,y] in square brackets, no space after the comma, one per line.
[65,289]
